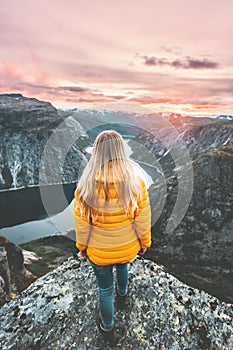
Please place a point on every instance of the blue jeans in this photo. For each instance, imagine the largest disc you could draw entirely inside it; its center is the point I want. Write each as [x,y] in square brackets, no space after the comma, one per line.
[104,276]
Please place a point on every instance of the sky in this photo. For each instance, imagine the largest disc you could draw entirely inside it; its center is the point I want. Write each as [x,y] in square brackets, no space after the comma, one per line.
[167,56]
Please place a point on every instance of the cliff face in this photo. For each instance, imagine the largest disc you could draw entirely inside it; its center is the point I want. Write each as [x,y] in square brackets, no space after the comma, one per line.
[209,213]
[58,311]
[204,237]
[26,126]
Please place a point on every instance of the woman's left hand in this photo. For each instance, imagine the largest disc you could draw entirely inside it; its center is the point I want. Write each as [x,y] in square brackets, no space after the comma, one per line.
[142,251]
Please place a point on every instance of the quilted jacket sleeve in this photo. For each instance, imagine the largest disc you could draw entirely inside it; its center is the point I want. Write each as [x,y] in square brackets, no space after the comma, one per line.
[82,227]
[142,218]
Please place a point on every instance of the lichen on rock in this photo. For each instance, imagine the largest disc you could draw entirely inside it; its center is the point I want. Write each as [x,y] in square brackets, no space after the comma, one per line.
[59,311]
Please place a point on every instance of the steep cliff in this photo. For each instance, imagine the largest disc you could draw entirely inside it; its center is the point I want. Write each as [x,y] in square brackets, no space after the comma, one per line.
[201,247]
[58,311]
[26,126]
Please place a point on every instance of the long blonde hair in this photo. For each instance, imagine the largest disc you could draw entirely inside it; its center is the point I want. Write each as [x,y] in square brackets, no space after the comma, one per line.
[108,165]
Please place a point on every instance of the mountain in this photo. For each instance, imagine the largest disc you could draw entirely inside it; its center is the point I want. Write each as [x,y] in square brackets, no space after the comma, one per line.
[227,117]
[27,125]
[36,148]
[37,140]
[59,310]
[158,132]
[200,248]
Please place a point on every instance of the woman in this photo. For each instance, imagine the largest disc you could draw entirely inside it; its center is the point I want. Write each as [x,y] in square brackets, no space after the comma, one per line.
[112,220]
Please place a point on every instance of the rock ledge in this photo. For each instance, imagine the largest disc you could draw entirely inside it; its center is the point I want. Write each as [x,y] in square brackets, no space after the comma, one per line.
[58,311]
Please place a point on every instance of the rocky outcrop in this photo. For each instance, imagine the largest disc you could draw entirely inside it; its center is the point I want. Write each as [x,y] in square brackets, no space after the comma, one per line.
[14,276]
[58,311]
[26,126]
[5,278]
[15,255]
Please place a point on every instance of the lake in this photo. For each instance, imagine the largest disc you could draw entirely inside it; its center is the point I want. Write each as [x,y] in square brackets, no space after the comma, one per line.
[27,205]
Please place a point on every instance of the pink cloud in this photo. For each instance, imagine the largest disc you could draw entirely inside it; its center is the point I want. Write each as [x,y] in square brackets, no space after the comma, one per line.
[179,63]
[10,72]
[81,51]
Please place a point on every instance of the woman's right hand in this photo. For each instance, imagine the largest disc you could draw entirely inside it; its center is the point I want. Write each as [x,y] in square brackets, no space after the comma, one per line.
[83,254]
[142,251]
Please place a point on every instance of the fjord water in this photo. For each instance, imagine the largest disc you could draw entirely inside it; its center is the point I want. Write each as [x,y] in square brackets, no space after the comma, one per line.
[24,216]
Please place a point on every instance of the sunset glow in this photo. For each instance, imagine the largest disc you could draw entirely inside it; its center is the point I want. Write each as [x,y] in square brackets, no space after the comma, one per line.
[166,56]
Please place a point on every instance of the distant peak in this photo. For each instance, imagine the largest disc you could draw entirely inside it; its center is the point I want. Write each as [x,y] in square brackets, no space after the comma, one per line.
[12,95]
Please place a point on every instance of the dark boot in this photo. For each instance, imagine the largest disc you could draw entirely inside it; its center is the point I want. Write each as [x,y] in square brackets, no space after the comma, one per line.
[120,300]
[109,336]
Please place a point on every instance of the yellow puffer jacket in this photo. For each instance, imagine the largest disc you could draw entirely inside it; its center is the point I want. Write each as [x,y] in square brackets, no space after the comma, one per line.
[114,237]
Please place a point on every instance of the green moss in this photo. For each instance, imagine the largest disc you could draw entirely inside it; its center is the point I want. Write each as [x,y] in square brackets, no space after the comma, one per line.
[52,250]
